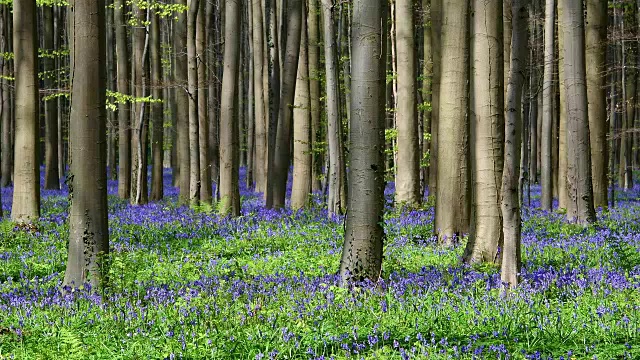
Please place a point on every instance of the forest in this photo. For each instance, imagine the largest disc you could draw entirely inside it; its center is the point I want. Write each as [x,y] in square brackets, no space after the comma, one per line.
[319,179]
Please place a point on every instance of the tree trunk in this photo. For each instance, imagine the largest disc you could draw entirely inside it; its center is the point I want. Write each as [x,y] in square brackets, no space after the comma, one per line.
[337,192]
[596,37]
[258,87]
[112,121]
[578,147]
[453,191]
[302,156]
[510,204]
[436,55]
[273,43]
[182,105]
[213,31]
[563,195]
[26,191]
[487,130]
[408,160]
[194,140]
[314,92]
[629,82]
[203,121]
[7,135]
[547,104]
[157,113]
[282,156]
[251,120]
[88,225]
[362,254]
[51,175]
[124,129]
[229,193]
[534,86]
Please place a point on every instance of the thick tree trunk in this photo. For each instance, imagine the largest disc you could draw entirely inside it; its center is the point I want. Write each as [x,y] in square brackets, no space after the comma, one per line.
[261,117]
[157,111]
[408,160]
[596,37]
[314,92]
[563,195]
[273,43]
[88,226]
[337,188]
[203,121]
[547,104]
[510,204]
[192,74]
[124,129]
[580,188]
[51,175]
[453,201]
[487,130]
[362,254]
[302,156]
[26,191]
[282,155]
[229,193]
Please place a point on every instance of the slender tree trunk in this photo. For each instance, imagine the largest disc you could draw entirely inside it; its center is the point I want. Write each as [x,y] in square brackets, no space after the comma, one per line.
[427,88]
[7,135]
[563,195]
[534,86]
[273,43]
[336,201]
[112,121]
[629,84]
[194,143]
[251,120]
[282,155]
[259,91]
[487,130]
[436,55]
[596,36]
[51,175]
[362,254]
[314,92]
[302,138]
[124,129]
[203,121]
[547,104]
[453,192]
[212,19]
[157,113]
[182,105]
[26,191]
[88,225]
[510,204]
[408,161]
[578,146]
[229,193]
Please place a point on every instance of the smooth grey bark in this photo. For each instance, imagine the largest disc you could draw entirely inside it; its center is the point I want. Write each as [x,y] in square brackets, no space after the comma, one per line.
[546,166]
[251,128]
[124,128]
[182,104]
[213,34]
[408,160]
[302,138]
[629,101]
[26,191]
[453,201]
[487,130]
[596,37]
[192,75]
[6,169]
[206,186]
[229,162]
[51,175]
[157,111]
[579,183]
[259,92]
[274,90]
[282,155]
[88,225]
[314,91]
[337,199]
[510,203]
[362,253]
[563,195]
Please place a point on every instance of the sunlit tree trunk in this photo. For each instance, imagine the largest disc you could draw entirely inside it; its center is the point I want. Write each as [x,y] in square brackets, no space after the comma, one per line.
[26,191]
[436,56]
[259,68]
[229,193]
[487,130]
[362,253]
[203,121]
[546,174]
[157,111]
[139,194]
[314,90]
[182,104]
[563,195]
[578,146]
[510,203]
[88,225]
[453,201]
[192,75]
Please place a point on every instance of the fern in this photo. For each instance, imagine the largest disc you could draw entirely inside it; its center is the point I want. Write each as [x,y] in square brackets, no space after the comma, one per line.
[72,343]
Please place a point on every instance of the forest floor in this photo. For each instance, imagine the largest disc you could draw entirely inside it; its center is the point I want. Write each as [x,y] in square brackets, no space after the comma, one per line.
[186,284]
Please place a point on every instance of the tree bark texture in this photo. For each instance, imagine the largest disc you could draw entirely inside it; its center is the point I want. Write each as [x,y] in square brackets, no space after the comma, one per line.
[546,166]
[157,111]
[124,128]
[259,68]
[206,186]
[192,74]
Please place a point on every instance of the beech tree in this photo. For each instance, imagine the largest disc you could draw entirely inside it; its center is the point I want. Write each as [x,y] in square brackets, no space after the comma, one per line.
[546,166]
[51,175]
[124,127]
[88,226]
[6,156]
[362,253]
[26,191]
